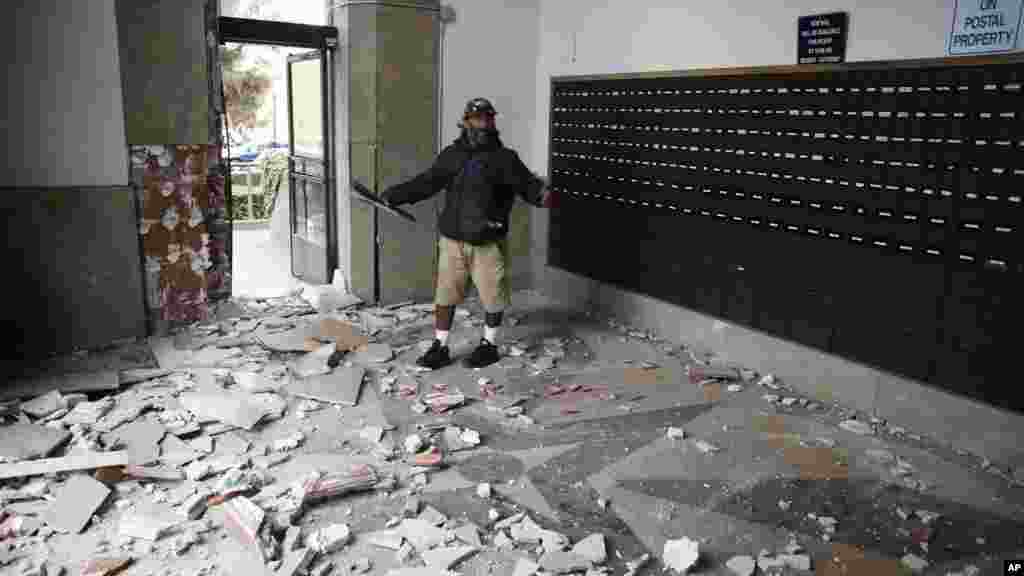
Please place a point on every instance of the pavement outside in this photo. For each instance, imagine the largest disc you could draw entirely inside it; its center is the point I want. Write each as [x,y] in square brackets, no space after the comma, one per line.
[756,470]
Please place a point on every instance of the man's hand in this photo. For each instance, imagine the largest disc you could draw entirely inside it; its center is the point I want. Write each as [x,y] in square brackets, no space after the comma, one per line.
[387,197]
[550,198]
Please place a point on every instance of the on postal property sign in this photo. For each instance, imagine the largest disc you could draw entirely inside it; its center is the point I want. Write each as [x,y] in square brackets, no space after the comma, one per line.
[821,39]
[984,26]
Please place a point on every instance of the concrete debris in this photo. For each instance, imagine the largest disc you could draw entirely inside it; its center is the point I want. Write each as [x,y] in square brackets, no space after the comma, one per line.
[768,381]
[742,565]
[234,409]
[372,434]
[390,539]
[470,534]
[433,516]
[635,565]
[254,382]
[525,567]
[406,553]
[457,439]
[296,562]
[902,468]
[784,505]
[681,555]
[195,505]
[493,515]
[734,388]
[289,442]
[361,565]
[772,398]
[422,535]
[592,548]
[502,541]
[374,353]
[270,460]
[322,569]
[420,571]
[705,447]
[23,441]
[76,502]
[203,469]
[560,562]
[676,433]
[916,564]
[927,517]
[446,558]
[413,443]
[45,405]
[799,562]
[881,456]
[483,490]
[857,427]
[788,401]
[145,526]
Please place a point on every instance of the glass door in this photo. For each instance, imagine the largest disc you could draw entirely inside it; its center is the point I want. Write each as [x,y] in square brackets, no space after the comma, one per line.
[309,171]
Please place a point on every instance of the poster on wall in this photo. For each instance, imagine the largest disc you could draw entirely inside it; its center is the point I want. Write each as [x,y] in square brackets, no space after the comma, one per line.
[821,39]
[984,26]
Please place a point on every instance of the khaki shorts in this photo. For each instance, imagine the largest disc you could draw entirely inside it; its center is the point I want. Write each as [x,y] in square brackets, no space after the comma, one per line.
[460,261]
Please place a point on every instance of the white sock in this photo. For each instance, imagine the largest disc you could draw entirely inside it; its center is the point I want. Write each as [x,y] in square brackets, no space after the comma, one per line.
[442,335]
[491,334]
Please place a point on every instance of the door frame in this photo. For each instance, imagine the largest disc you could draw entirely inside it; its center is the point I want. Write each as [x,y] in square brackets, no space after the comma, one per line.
[319,38]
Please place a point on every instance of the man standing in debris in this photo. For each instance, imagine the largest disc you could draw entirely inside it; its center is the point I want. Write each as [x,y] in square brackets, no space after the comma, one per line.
[482,178]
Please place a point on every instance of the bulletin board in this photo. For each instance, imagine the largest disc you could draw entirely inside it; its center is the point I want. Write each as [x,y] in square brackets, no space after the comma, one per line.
[868,210]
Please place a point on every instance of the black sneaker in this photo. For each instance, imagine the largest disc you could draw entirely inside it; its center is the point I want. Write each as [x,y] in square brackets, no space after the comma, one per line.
[484,355]
[436,357]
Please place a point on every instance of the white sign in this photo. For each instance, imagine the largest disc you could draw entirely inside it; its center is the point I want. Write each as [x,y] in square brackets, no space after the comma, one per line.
[983,26]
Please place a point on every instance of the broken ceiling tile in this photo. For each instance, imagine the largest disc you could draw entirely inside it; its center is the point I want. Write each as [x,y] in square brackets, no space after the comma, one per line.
[390,539]
[446,558]
[433,515]
[421,534]
[145,525]
[341,386]
[233,409]
[27,441]
[75,503]
[470,534]
[45,405]
[592,548]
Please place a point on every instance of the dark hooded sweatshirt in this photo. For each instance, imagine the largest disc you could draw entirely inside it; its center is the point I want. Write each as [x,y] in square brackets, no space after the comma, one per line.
[482,185]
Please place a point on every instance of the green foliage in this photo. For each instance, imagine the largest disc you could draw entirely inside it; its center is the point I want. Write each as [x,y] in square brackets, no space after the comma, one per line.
[244,88]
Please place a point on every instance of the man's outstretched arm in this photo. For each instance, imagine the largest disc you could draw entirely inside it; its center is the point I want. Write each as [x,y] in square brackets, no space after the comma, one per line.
[527,184]
[423,186]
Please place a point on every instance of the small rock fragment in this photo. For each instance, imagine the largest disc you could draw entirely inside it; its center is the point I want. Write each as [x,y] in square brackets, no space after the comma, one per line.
[681,554]
[914,563]
[742,565]
[857,427]
[493,515]
[734,388]
[705,447]
[676,433]
[483,490]
[329,539]
[413,443]
[412,507]
[592,548]
[469,534]
[361,565]
[433,516]
[784,505]
[768,381]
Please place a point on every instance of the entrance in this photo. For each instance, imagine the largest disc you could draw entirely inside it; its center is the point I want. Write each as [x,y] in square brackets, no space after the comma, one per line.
[280,145]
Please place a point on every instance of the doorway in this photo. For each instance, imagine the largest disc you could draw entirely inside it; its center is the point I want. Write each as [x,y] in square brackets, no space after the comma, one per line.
[278,92]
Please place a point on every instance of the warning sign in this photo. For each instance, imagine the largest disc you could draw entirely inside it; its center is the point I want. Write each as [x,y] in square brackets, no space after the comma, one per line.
[985,26]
